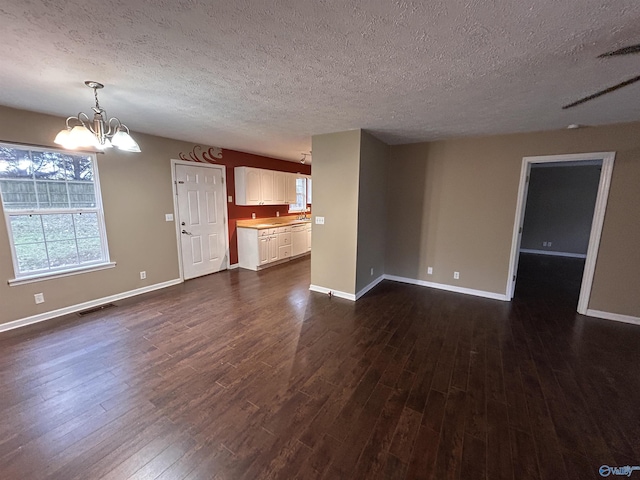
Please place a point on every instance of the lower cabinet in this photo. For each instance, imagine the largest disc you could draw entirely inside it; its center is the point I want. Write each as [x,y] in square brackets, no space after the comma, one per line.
[258,248]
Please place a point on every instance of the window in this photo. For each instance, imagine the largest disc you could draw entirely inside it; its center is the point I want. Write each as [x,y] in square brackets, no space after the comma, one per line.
[52,206]
[301,196]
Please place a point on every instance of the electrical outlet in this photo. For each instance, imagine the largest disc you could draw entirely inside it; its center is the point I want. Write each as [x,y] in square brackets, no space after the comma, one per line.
[372,271]
[230,199]
[319,220]
[277,214]
[39,297]
[456,275]
[253,215]
[168,217]
[143,275]
[429,270]
[544,244]
[548,244]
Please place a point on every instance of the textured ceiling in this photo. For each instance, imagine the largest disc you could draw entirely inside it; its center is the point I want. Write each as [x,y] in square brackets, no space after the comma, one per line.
[264,76]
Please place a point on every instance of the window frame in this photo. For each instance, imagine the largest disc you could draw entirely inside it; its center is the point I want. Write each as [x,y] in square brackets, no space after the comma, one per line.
[98,210]
[293,207]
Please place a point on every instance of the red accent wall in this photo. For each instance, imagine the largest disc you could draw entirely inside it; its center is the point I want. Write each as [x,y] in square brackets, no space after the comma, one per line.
[231,159]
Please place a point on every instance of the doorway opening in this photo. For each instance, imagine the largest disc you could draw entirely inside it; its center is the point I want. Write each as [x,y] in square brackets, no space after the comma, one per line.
[570,256]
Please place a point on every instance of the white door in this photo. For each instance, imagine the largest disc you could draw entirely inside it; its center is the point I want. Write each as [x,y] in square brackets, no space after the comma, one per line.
[201,210]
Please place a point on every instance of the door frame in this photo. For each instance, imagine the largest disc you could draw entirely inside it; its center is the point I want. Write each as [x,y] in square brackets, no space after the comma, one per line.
[596,224]
[174,188]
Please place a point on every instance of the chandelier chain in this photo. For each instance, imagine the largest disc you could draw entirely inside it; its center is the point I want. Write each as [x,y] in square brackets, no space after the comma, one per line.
[95,94]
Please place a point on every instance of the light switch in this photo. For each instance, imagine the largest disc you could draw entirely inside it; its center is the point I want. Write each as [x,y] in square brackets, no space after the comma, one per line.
[319,220]
[168,217]
[230,199]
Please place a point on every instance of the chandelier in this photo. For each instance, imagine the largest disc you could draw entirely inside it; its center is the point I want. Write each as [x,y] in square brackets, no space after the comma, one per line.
[101,133]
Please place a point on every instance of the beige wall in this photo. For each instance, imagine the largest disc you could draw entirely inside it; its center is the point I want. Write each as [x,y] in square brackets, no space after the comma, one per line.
[336,166]
[371,210]
[451,205]
[136,194]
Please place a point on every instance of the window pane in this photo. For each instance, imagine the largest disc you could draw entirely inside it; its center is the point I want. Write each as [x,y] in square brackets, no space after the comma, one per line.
[82,194]
[89,249]
[58,227]
[86,225]
[62,253]
[50,165]
[80,168]
[26,229]
[18,194]
[52,194]
[15,163]
[31,257]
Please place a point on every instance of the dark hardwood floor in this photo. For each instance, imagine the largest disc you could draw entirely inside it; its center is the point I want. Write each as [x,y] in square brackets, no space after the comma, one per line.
[249,375]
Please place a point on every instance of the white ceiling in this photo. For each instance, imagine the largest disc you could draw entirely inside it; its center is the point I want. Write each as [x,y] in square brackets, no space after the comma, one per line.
[263,76]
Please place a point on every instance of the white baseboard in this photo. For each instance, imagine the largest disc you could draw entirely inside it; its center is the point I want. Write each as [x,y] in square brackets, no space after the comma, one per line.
[41,317]
[335,293]
[552,253]
[449,288]
[232,266]
[369,287]
[613,316]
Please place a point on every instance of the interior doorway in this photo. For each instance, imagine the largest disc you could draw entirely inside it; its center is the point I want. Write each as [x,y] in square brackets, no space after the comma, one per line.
[595,230]
[201,218]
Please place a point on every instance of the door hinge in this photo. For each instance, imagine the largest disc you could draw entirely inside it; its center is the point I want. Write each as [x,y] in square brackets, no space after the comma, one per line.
[527,181]
[520,230]
[222,180]
[514,278]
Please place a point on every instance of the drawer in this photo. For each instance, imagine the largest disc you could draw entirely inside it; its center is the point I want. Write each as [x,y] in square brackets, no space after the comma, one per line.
[266,231]
[299,228]
[286,229]
[284,239]
[284,252]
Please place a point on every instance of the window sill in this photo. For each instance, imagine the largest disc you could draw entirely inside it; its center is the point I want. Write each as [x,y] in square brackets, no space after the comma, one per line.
[66,273]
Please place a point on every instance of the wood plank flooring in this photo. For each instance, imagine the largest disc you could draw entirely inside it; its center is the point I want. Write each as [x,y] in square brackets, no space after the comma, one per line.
[248,375]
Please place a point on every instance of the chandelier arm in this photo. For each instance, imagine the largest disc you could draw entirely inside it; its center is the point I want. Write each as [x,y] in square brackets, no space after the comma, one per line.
[85,121]
[114,125]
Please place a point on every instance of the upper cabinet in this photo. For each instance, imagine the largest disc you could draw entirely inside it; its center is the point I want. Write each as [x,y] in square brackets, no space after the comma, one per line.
[256,186]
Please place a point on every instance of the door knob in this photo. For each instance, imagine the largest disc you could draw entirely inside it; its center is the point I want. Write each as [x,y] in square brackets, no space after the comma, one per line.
[186,233]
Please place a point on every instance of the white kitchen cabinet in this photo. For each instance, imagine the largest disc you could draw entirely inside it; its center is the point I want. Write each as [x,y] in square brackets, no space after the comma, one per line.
[247,183]
[266,186]
[280,187]
[291,188]
[273,248]
[257,186]
[263,249]
[258,248]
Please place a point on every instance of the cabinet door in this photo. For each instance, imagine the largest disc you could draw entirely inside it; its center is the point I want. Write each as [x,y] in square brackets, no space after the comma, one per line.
[252,182]
[266,187]
[280,188]
[291,188]
[309,238]
[263,250]
[273,248]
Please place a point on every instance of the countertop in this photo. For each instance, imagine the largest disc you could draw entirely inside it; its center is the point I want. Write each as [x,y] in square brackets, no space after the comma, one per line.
[273,222]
